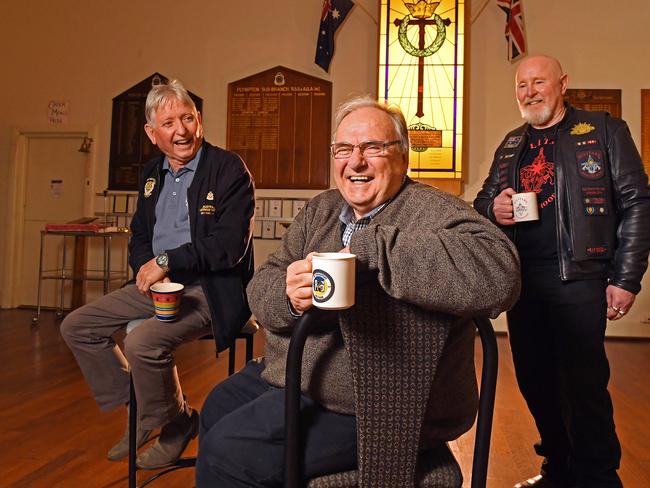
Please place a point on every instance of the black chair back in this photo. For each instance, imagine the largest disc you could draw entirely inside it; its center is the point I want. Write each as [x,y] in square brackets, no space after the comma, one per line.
[302,329]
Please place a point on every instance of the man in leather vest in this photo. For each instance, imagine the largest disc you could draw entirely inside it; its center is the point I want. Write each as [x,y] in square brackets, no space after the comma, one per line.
[582,263]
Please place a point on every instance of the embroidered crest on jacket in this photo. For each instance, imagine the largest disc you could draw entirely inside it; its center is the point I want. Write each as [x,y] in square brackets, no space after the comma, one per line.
[582,128]
[590,164]
[513,141]
[149,186]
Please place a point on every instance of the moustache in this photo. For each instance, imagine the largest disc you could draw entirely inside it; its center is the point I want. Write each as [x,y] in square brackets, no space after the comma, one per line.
[530,101]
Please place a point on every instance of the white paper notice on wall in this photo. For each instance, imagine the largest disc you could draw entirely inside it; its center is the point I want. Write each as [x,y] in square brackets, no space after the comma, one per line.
[56,187]
[257,228]
[287,209]
[268,229]
[275,208]
[57,112]
[259,208]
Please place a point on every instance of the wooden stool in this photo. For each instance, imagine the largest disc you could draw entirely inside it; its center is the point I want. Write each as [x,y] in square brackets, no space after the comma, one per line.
[247,334]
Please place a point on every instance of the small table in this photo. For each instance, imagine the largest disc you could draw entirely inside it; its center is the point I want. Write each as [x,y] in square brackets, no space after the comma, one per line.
[79,274]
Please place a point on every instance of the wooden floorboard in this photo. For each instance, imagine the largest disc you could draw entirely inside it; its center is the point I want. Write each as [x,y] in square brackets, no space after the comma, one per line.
[52,435]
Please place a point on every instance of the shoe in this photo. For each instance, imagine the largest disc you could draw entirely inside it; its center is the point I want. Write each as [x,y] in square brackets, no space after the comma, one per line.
[540,481]
[121,449]
[174,438]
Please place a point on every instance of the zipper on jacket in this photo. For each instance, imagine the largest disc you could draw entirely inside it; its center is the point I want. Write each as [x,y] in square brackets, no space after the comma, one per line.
[558,171]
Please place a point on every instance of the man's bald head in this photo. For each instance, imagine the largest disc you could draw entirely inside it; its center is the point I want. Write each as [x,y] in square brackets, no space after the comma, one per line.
[540,85]
[538,60]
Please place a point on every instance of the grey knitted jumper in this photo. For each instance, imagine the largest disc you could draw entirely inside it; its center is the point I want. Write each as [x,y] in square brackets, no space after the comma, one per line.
[423,261]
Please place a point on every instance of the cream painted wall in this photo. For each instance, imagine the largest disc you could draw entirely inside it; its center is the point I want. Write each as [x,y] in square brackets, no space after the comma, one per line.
[89,52]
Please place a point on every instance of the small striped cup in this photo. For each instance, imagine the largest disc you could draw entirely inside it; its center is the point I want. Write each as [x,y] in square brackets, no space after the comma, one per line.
[166,300]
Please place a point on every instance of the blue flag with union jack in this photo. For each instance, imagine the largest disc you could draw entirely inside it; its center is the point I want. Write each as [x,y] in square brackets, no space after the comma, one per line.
[334,12]
[515,28]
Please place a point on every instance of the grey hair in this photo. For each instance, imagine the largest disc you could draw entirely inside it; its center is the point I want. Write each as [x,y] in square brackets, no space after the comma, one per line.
[161,94]
[390,109]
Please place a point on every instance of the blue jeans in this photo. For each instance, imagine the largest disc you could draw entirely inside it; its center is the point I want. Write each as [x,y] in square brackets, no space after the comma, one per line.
[241,435]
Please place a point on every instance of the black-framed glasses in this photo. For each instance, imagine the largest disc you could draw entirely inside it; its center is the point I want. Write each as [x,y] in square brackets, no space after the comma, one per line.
[367,149]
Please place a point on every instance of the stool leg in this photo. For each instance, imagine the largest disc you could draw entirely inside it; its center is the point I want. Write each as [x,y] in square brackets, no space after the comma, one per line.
[249,348]
[231,358]
[133,419]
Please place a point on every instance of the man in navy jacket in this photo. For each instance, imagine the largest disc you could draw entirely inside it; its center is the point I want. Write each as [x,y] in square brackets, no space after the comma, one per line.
[193,225]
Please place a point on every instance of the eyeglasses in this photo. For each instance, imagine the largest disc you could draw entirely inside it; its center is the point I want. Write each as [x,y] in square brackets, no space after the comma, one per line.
[367,149]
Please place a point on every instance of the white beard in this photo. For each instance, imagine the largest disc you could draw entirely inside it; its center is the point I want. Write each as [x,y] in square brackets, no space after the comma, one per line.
[536,116]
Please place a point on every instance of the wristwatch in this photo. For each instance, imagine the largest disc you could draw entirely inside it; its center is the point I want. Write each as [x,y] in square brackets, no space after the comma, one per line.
[162,260]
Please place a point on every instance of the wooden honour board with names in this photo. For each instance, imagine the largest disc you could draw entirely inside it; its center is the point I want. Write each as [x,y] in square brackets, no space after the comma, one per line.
[130,146]
[645,129]
[592,99]
[279,122]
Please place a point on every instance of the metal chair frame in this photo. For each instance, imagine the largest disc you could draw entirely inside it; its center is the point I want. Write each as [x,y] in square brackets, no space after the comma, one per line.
[184,462]
[487,393]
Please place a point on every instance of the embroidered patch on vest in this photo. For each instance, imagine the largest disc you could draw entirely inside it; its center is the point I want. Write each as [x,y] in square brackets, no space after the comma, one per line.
[513,141]
[149,185]
[594,201]
[596,251]
[587,142]
[590,164]
[582,128]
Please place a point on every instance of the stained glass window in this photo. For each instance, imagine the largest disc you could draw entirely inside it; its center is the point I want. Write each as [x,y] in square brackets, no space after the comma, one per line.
[421,68]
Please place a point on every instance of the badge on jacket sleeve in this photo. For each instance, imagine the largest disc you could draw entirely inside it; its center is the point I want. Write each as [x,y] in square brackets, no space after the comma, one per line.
[209,196]
[581,129]
[149,186]
[513,141]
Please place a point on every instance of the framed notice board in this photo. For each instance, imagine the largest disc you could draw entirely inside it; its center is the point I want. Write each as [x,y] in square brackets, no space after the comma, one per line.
[594,100]
[130,146]
[279,122]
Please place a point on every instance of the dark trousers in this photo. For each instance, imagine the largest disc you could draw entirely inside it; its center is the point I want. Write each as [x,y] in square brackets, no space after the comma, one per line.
[557,333]
[241,436]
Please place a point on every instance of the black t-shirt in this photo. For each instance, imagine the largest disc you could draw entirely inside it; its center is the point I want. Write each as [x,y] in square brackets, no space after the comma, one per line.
[537,241]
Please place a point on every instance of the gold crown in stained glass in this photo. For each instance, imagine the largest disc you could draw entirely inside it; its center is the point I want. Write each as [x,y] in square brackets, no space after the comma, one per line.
[423,9]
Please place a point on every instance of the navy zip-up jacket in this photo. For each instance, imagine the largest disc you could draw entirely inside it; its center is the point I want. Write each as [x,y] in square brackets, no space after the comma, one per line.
[221,204]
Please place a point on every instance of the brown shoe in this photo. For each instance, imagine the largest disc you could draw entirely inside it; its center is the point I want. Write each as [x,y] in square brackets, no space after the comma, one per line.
[121,449]
[539,481]
[174,438]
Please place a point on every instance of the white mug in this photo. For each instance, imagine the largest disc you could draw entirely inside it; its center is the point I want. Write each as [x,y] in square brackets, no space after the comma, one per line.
[333,280]
[524,206]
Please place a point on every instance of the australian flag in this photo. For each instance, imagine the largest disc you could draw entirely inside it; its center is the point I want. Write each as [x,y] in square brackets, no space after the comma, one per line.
[334,12]
[515,28]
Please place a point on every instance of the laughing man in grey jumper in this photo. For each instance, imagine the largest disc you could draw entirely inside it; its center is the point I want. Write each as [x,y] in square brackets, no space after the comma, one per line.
[423,256]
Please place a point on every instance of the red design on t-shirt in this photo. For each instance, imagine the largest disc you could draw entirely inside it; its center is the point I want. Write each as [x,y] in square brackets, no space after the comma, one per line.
[537,174]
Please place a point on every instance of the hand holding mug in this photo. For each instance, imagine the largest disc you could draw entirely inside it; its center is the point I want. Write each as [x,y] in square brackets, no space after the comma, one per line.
[502,207]
[298,284]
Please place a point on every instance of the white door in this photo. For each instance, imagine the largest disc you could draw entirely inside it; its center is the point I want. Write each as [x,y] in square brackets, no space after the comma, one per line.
[54,190]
